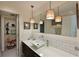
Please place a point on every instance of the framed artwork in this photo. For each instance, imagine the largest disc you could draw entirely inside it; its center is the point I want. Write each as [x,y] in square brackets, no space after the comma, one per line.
[35,25]
[26,25]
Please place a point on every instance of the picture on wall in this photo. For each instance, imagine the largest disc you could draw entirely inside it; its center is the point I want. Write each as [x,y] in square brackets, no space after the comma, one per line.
[26,25]
[35,26]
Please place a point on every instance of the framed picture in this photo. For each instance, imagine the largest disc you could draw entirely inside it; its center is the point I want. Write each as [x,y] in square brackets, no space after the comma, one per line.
[35,26]
[26,25]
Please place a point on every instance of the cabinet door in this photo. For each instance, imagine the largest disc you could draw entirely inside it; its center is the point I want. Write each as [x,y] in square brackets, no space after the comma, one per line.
[25,50]
[28,52]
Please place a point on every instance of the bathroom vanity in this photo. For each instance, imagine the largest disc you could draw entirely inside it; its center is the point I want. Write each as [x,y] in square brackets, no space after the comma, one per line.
[30,50]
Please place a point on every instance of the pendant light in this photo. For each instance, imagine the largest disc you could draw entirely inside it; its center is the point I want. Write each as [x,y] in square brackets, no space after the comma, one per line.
[32,18]
[41,22]
[58,18]
[50,13]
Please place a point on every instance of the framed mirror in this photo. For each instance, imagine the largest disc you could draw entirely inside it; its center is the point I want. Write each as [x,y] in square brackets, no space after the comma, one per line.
[26,25]
[35,26]
[68,25]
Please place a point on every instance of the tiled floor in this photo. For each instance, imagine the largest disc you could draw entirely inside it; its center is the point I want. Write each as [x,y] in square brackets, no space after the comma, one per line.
[10,53]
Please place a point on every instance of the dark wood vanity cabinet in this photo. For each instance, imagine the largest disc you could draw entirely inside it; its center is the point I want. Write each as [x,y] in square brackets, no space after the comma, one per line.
[28,52]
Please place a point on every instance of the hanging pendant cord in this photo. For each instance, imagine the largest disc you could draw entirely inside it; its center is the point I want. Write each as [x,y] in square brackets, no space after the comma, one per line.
[58,11]
[50,4]
[32,10]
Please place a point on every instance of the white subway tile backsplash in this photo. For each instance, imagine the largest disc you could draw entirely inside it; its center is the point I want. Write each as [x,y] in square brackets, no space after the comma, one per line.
[61,42]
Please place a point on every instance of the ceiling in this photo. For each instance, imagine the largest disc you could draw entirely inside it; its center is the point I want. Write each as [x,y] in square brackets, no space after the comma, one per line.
[25,5]
[39,6]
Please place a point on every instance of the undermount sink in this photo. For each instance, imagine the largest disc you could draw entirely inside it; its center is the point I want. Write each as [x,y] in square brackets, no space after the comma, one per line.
[38,43]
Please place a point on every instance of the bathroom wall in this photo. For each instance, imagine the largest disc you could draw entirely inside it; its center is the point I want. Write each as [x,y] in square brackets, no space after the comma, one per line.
[64,43]
[78,38]
[23,17]
[67,44]
[69,26]
[23,34]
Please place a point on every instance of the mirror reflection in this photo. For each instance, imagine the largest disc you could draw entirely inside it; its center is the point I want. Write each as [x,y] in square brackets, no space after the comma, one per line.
[64,23]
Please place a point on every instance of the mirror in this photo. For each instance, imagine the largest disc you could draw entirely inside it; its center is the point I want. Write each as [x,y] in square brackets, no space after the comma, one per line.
[68,25]
[26,25]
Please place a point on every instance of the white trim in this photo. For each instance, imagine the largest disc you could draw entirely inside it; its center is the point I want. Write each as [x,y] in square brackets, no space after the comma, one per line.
[9,11]
[17,30]
[18,39]
[2,34]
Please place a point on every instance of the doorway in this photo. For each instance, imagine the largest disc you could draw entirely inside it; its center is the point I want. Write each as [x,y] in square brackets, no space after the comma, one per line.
[9,30]
[42,28]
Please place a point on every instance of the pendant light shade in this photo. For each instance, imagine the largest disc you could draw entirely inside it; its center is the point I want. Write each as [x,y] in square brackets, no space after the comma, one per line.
[32,18]
[41,22]
[50,13]
[58,18]
[41,17]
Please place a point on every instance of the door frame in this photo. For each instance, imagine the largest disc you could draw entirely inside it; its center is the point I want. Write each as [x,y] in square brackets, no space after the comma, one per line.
[17,33]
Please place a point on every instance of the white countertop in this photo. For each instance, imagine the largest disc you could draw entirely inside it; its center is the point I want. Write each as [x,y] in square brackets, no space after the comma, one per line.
[48,51]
